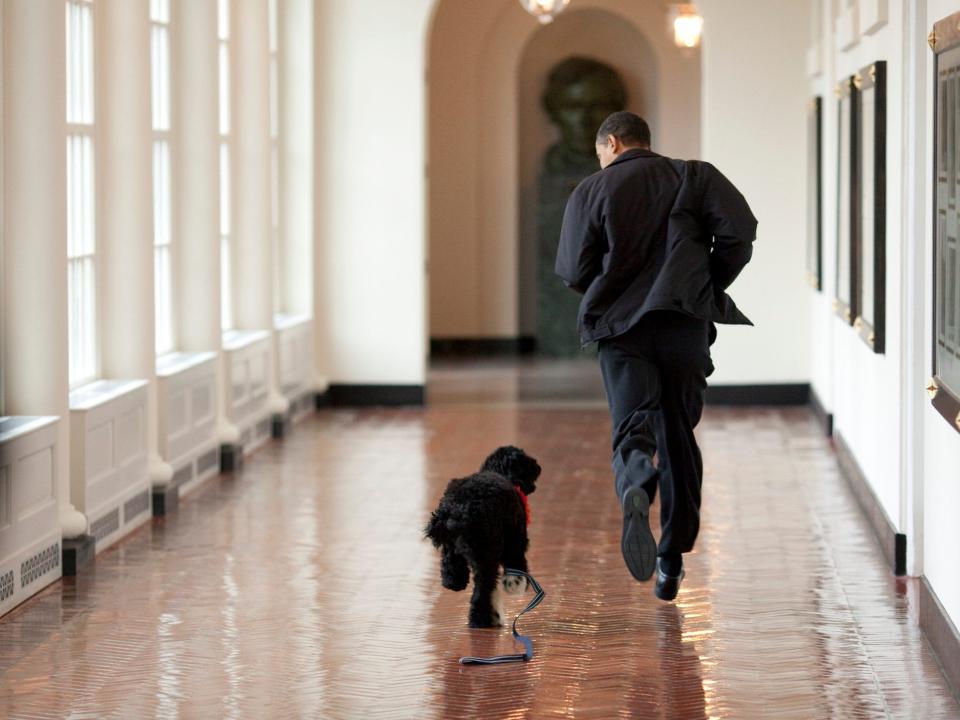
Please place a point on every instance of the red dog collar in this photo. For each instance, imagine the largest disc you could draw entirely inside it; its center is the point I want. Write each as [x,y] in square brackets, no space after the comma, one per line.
[526,503]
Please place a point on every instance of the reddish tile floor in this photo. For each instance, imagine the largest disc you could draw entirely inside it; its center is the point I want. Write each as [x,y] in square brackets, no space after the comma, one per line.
[302,588]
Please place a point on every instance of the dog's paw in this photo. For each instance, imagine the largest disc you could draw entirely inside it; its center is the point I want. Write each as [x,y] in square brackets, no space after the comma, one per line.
[498,613]
[491,619]
[514,585]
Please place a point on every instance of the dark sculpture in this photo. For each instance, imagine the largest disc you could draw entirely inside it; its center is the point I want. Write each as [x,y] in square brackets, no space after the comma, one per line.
[580,94]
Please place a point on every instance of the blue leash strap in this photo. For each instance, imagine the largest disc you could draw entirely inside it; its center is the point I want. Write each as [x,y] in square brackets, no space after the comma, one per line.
[523,639]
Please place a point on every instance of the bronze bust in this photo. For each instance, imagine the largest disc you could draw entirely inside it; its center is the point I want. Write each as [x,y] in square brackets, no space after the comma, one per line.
[580,94]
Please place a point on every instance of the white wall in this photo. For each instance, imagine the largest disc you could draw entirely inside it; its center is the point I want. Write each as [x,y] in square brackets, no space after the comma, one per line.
[754,95]
[370,131]
[860,387]
[908,452]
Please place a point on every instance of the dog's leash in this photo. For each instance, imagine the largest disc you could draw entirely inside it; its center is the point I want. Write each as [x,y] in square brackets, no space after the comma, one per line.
[523,639]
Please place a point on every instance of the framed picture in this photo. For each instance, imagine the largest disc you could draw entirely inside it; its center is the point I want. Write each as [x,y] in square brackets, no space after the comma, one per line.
[815,193]
[944,388]
[848,216]
[871,241]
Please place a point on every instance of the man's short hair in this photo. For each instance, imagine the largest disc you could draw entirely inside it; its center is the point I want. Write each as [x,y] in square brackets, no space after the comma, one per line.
[628,128]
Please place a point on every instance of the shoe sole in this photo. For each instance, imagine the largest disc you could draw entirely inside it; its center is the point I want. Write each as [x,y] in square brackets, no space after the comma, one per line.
[636,543]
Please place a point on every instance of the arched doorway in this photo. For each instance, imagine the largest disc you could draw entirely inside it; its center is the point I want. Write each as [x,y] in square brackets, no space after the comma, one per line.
[486,136]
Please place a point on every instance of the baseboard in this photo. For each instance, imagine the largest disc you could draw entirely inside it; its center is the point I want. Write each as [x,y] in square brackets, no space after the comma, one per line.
[165,500]
[892,543]
[739,395]
[825,417]
[78,552]
[373,395]
[231,457]
[941,634]
[280,425]
[482,347]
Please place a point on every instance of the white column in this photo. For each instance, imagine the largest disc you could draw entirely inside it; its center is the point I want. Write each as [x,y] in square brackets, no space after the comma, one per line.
[126,192]
[322,52]
[250,157]
[296,152]
[36,375]
[196,187]
[296,93]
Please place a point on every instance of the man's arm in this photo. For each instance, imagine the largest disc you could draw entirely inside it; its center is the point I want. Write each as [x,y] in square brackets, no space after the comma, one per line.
[732,224]
[582,243]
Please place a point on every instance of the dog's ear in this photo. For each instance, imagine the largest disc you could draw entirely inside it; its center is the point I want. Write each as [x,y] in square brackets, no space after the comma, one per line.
[515,465]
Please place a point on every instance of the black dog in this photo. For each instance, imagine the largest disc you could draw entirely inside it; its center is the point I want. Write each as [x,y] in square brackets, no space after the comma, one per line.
[481,524]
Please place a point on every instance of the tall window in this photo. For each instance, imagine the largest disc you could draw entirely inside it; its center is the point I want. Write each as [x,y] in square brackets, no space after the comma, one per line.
[226,291]
[275,159]
[81,193]
[162,210]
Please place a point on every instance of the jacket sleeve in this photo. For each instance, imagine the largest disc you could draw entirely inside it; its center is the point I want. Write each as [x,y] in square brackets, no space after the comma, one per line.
[582,242]
[734,228]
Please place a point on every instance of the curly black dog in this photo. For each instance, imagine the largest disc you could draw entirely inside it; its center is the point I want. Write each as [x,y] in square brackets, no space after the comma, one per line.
[481,524]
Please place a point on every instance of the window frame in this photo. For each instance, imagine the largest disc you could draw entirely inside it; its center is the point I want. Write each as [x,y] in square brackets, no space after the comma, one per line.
[225,160]
[164,137]
[276,176]
[87,129]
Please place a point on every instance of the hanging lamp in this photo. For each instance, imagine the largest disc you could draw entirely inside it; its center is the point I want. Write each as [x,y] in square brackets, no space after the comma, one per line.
[687,25]
[545,10]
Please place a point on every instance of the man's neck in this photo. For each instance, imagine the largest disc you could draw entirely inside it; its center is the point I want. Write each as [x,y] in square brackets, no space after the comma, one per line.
[628,148]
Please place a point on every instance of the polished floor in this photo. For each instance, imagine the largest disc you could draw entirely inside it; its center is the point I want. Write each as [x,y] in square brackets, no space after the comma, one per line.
[301,588]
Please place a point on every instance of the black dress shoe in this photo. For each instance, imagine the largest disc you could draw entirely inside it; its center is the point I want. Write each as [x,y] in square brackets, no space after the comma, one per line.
[667,586]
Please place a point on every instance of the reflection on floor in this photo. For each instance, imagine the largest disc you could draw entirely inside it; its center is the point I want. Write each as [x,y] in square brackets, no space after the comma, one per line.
[530,380]
[302,588]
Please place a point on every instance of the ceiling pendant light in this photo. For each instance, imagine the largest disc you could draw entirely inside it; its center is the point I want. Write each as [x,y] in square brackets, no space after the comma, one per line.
[687,25]
[545,10]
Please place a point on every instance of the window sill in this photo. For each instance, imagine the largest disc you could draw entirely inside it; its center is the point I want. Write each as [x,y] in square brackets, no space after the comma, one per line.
[283,321]
[15,426]
[239,339]
[174,363]
[100,392]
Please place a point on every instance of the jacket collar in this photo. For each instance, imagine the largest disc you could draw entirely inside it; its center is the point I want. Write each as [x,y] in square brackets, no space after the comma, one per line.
[633,154]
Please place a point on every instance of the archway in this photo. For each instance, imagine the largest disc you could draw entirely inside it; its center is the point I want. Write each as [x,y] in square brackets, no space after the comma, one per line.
[485,140]
[592,33]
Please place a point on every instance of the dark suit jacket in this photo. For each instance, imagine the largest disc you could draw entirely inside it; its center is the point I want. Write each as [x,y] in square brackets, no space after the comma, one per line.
[653,233]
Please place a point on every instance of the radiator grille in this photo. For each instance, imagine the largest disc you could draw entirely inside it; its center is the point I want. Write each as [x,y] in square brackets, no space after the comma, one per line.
[207,461]
[183,475]
[136,505]
[40,564]
[6,585]
[106,524]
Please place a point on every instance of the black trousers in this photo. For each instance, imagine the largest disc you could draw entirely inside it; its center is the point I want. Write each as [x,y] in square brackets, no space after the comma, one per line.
[655,376]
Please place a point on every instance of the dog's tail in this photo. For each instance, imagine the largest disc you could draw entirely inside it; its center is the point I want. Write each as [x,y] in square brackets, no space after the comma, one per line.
[440,528]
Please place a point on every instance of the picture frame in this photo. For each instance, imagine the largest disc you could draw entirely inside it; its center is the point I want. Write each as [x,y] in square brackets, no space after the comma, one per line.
[848,215]
[944,386]
[815,193]
[871,186]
